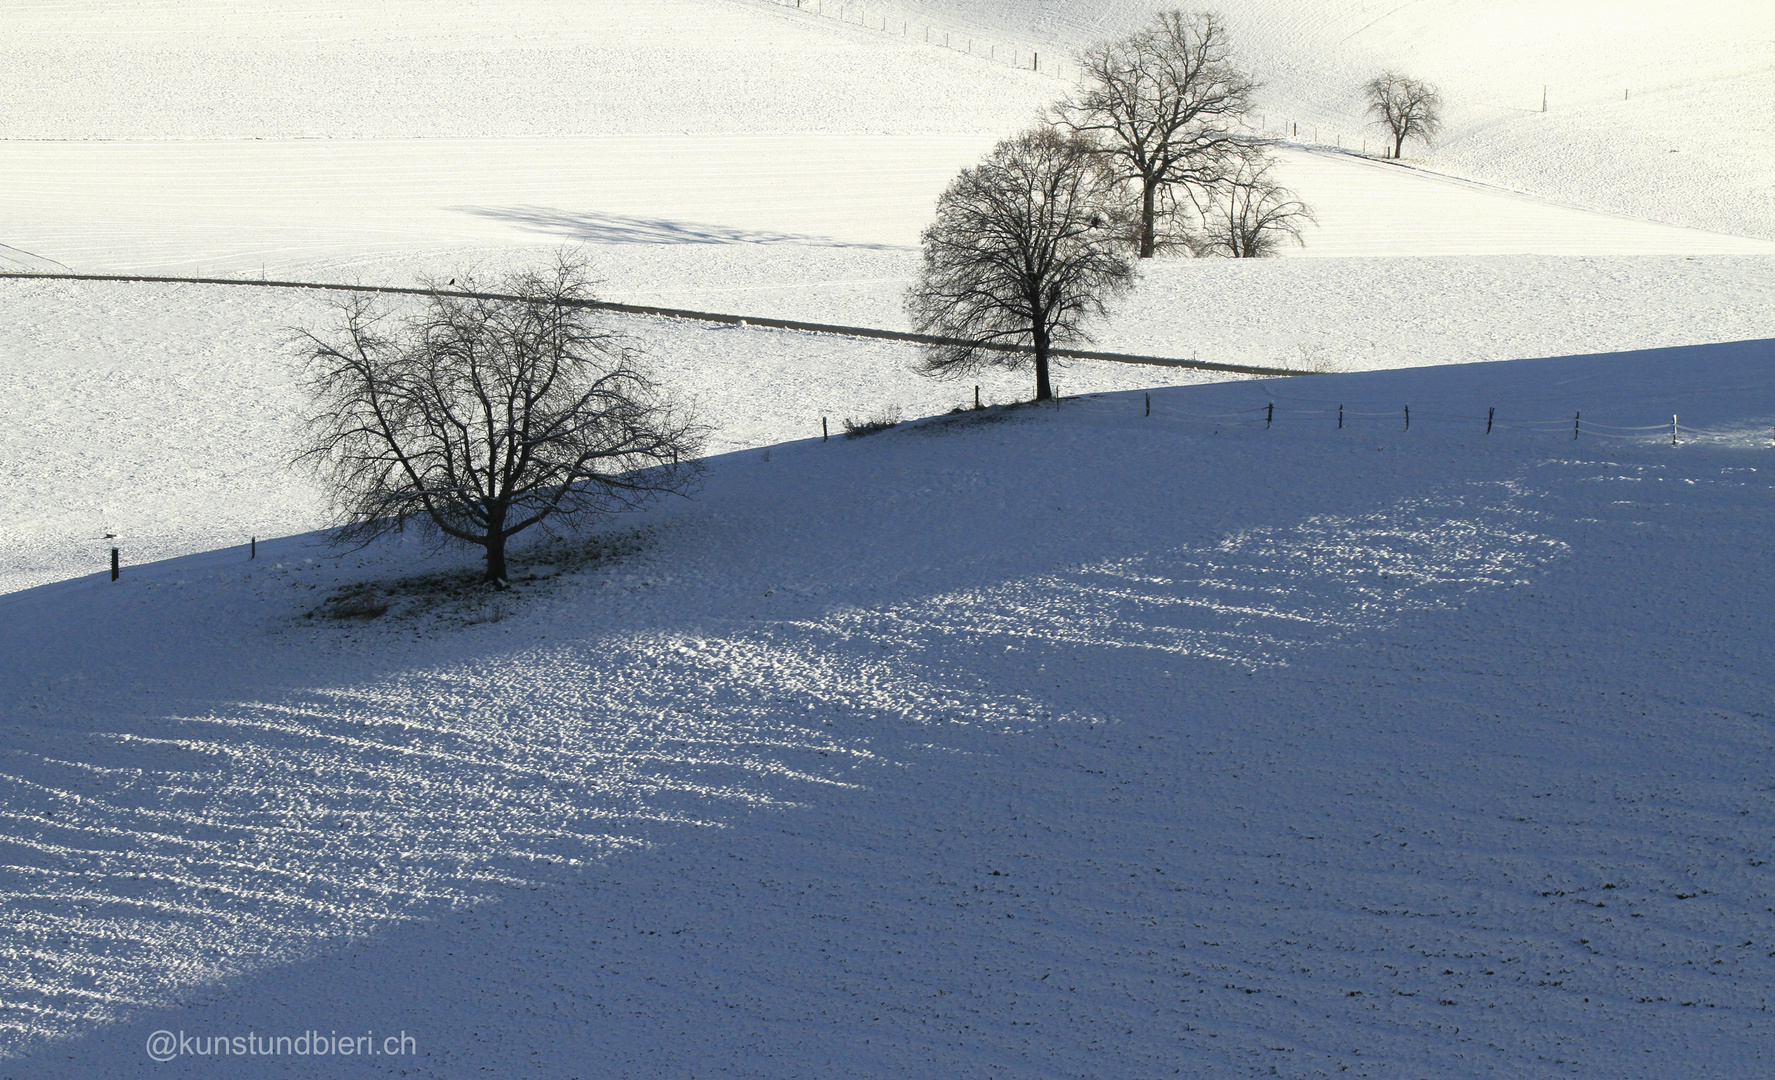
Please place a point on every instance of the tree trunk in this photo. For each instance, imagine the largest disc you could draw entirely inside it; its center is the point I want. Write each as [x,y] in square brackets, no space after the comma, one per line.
[1149,189]
[1398,145]
[495,544]
[1044,390]
[496,561]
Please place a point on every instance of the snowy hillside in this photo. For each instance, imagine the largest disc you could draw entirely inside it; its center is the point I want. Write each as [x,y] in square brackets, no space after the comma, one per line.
[1406,719]
[162,414]
[1655,108]
[228,69]
[1040,744]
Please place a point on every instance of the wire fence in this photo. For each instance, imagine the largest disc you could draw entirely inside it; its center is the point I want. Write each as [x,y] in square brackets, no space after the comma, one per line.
[1054,60]
[1297,413]
[1352,136]
[895,22]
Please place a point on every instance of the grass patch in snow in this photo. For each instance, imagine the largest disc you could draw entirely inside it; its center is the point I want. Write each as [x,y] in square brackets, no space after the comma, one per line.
[887,418]
[461,596]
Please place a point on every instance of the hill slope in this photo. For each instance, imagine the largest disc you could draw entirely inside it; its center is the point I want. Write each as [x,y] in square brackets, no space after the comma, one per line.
[1625,85]
[1030,743]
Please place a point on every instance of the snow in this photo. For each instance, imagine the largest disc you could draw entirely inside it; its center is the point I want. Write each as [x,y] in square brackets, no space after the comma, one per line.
[234,69]
[967,748]
[1626,83]
[112,392]
[292,208]
[1267,734]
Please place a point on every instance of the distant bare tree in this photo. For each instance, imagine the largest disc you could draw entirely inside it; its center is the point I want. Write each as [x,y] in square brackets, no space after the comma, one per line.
[1165,104]
[1408,108]
[1248,214]
[480,416]
[1026,246]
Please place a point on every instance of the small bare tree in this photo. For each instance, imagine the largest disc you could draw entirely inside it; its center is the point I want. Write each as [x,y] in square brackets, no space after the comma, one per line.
[1026,246]
[1408,108]
[1248,214]
[485,413]
[1165,103]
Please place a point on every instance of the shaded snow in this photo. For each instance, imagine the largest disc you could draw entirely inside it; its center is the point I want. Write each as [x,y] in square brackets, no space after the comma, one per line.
[1072,742]
[968,748]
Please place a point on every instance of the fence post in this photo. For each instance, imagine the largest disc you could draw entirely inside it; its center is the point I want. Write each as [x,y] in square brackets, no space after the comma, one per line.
[113,564]
[1269,416]
[1340,416]
[1149,403]
[1489,413]
[1575,425]
[1408,418]
[253,550]
[1673,429]
[824,435]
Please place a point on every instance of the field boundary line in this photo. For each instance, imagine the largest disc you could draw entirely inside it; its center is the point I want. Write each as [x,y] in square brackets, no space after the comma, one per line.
[684,314]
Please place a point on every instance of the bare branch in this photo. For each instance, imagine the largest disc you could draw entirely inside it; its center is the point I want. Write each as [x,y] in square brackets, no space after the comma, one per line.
[1025,248]
[1166,104]
[1248,214]
[478,418]
[1408,108]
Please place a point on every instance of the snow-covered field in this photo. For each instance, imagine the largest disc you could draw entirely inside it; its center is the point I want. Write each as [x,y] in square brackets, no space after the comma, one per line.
[969,749]
[314,206]
[1072,742]
[1654,108]
[163,414]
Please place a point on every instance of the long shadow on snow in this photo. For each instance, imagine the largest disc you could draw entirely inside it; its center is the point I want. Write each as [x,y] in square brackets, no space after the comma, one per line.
[600,228]
[800,630]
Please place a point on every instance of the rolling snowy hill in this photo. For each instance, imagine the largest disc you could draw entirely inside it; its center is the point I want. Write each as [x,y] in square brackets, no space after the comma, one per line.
[1034,743]
[1409,719]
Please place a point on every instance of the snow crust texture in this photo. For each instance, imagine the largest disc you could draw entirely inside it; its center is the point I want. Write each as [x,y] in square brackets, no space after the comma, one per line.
[966,748]
[1407,719]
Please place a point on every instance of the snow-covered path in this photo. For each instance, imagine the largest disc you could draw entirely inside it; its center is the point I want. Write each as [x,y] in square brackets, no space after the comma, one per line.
[967,750]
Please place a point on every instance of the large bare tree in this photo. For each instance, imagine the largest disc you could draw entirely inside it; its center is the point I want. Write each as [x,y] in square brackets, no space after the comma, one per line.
[1026,246]
[1409,108]
[1166,104]
[486,412]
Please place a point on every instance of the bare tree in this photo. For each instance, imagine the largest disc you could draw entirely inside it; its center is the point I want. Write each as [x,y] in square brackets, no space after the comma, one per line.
[1248,214]
[1026,246]
[1165,103]
[484,413]
[1408,108]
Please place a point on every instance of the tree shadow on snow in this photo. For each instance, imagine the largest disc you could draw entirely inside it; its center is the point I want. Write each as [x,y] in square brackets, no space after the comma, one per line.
[600,228]
[503,841]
